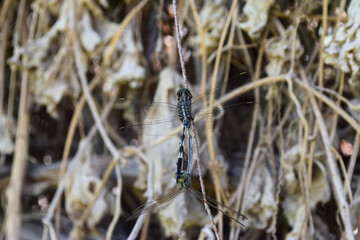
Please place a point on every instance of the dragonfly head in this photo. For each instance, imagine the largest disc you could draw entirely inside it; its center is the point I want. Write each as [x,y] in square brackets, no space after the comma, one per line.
[183,93]
[183,180]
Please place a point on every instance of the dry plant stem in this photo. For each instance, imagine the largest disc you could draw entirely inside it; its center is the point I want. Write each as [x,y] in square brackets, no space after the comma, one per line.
[150,191]
[197,155]
[144,231]
[227,72]
[83,146]
[303,170]
[210,120]
[117,213]
[347,187]
[240,189]
[311,153]
[93,83]
[303,167]
[331,104]
[13,192]
[69,138]
[121,29]
[339,15]
[4,10]
[322,42]
[341,98]
[310,16]
[229,55]
[272,227]
[192,125]
[3,40]
[203,49]
[113,150]
[178,40]
[334,176]
[335,121]
[353,157]
[81,71]
[230,47]
[89,207]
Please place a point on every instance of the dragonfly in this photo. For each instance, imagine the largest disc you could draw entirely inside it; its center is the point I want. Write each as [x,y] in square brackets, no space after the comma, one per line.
[183,184]
[167,114]
[183,172]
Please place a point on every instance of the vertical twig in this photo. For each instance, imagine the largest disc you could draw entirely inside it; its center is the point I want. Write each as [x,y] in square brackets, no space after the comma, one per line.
[82,147]
[197,151]
[180,49]
[203,49]
[210,120]
[4,10]
[322,42]
[334,173]
[111,228]
[150,191]
[202,183]
[14,190]
[240,204]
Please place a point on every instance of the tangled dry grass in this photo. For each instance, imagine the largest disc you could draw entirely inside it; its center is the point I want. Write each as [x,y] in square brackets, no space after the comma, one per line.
[288,162]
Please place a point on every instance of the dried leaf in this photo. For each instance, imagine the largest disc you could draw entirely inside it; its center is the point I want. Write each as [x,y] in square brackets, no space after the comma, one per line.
[293,205]
[126,67]
[81,188]
[257,15]
[89,37]
[342,49]
[278,52]
[260,201]
[212,17]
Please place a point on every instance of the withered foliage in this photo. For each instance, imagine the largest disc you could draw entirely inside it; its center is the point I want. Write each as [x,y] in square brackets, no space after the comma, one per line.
[74,73]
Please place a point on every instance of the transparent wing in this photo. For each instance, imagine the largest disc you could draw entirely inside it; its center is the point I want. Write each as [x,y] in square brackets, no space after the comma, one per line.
[163,116]
[199,99]
[150,206]
[160,117]
[213,203]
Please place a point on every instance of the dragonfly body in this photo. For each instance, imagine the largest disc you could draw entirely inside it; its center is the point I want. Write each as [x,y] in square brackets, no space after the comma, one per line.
[186,117]
[183,173]
[184,184]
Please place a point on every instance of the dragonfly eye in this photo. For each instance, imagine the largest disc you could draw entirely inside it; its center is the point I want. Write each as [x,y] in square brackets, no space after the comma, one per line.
[179,93]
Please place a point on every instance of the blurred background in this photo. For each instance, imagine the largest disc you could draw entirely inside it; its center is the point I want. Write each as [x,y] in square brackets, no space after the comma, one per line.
[89,128]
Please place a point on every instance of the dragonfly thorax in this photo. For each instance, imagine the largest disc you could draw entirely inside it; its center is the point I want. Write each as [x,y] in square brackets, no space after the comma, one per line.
[183,180]
[184,106]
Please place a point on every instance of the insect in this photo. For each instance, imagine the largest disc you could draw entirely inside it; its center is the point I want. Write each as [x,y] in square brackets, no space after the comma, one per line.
[165,115]
[183,184]
[184,113]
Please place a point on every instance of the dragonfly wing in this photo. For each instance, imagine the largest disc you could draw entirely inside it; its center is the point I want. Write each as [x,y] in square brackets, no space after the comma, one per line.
[213,203]
[150,206]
